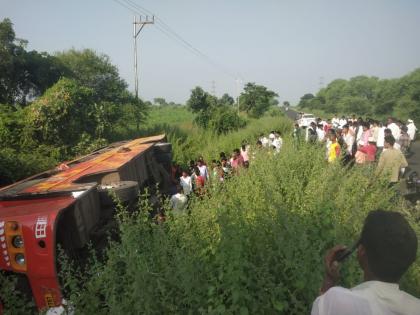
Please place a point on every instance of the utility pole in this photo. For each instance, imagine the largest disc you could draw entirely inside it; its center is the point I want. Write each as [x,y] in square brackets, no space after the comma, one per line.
[238,83]
[137,27]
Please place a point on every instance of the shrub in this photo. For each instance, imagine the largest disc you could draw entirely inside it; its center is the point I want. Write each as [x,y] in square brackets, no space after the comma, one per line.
[254,246]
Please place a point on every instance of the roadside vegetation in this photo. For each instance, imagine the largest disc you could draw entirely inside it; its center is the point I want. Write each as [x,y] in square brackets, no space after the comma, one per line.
[253,246]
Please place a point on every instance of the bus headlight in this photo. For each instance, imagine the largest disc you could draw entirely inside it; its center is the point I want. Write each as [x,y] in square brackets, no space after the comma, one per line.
[20,259]
[17,241]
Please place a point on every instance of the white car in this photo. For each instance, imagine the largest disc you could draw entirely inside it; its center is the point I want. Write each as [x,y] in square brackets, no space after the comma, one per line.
[305,120]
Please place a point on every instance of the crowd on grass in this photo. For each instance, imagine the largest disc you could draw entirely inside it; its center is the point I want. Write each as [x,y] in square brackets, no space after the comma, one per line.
[349,140]
[387,245]
[196,178]
[363,141]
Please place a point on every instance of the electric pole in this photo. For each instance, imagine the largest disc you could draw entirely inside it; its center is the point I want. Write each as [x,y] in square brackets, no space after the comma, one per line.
[238,83]
[213,88]
[137,27]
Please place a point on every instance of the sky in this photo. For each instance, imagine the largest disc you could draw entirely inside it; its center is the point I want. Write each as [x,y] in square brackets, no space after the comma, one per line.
[293,47]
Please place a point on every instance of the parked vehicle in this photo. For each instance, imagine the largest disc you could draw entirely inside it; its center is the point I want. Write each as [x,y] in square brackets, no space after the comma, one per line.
[305,120]
[67,205]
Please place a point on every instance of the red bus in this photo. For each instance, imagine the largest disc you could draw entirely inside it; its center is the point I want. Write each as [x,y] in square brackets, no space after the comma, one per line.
[64,206]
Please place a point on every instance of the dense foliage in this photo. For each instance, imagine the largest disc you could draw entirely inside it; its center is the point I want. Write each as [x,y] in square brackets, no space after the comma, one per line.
[239,250]
[366,96]
[213,113]
[24,74]
[55,107]
[255,100]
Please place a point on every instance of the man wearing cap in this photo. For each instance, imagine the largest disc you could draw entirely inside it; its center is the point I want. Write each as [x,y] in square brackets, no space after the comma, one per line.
[411,129]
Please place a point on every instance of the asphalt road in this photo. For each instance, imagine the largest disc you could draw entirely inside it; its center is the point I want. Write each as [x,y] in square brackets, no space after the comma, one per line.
[292,114]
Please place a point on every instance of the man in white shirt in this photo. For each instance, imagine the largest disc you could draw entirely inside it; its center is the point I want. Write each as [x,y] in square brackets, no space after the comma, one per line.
[320,133]
[277,142]
[186,183]
[343,122]
[203,169]
[335,121]
[178,201]
[411,129]
[394,128]
[386,249]
[348,138]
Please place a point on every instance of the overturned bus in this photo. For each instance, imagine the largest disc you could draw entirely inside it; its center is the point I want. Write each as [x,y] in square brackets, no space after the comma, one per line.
[65,206]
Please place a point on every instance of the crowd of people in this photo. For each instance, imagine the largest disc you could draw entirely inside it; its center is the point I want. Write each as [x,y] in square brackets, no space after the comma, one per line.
[350,140]
[387,245]
[363,141]
[194,179]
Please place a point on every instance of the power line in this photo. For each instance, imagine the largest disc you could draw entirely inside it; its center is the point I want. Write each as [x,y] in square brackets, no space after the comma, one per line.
[172,34]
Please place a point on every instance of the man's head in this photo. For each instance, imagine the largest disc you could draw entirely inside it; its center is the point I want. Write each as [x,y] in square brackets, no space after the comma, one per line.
[365,126]
[388,246]
[389,141]
[345,129]
[390,120]
[332,136]
[387,132]
[236,153]
[185,173]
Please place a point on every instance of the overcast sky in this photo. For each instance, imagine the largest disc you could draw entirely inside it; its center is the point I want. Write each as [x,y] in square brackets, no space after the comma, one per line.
[291,46]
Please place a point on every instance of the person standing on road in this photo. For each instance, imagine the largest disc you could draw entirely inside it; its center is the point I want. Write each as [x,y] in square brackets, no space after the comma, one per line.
[386,249]
[391,161]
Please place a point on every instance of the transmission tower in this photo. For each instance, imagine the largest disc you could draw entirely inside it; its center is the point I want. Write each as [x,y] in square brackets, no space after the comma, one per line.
[213,88]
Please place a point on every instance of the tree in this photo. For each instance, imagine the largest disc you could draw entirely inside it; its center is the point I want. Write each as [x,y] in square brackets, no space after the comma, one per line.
[160,101]
[225,119]
[212,113]
[199,100]
[11,64]
[137,111]
[96,72]
[305,100]
[24,75]
[255,100]
[62,114]
[226,99]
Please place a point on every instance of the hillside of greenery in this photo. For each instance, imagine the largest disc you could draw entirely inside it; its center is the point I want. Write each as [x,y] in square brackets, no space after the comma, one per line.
[369,96]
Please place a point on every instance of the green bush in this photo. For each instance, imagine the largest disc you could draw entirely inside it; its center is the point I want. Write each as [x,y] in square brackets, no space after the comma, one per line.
[253,246]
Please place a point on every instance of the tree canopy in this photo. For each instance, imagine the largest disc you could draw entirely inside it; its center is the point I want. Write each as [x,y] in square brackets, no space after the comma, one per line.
[364,95]
[255,100]
[24,75]
[211,112]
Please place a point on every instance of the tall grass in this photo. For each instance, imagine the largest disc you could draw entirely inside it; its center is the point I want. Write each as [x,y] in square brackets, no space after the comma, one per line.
[253,246]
